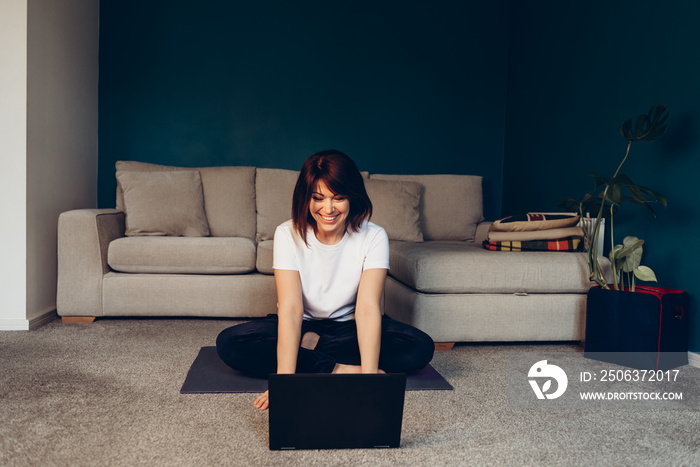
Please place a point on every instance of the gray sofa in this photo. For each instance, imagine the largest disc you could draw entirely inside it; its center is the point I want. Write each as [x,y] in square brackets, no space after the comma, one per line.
[117,262]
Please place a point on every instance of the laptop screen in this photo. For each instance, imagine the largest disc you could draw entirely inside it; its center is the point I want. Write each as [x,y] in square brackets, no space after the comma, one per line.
[330,411]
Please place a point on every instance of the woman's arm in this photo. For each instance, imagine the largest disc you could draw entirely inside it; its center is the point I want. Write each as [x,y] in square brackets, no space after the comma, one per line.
[290,312]
[368,317]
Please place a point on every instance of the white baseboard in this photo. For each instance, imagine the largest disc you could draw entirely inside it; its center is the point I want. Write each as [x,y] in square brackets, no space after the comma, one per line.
[694,359]
[44,316]
[14,325]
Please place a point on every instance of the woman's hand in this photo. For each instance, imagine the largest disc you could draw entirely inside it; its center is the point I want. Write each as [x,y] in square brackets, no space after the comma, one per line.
[263,401]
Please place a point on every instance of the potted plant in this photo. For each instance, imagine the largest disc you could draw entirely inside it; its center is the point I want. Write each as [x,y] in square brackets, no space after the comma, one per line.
[609,194]
[642,327]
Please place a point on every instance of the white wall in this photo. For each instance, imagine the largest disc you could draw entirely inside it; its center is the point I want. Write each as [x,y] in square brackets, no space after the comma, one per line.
[13,150]
[54,143]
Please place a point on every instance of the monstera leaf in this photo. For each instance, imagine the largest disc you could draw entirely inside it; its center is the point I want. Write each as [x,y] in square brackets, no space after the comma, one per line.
[639,194]
[647,127]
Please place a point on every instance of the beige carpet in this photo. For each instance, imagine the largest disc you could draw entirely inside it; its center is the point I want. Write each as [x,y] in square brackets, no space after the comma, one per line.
[108,394]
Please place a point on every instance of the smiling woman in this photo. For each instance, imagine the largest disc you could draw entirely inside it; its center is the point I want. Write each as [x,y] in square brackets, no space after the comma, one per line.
[329,211]
[329,197]
[330,266]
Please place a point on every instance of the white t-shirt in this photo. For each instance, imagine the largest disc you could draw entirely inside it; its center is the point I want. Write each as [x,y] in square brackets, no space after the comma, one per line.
[330,274]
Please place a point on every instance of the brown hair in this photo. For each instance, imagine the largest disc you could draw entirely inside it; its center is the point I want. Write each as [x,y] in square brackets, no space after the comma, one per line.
[341,176]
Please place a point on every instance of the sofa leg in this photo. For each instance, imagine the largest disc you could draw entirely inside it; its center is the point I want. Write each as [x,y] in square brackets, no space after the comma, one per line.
[444,345]
[77,319]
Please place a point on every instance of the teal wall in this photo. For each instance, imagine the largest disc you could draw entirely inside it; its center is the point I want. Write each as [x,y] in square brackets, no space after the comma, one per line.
[400,86]
[575,72]
[528,94]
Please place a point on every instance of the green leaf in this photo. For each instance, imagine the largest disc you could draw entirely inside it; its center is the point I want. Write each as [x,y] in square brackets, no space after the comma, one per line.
[622,179]
[640,195]
[656,123]
[647,127]
[616,259]
[626,250]
[631,200]
[659,197]
[630,240]
[651,209]
[615,194]
[654,134]
[626,130]
[644,273]
[659,115]
[633,258]
[599,181]
[639,126]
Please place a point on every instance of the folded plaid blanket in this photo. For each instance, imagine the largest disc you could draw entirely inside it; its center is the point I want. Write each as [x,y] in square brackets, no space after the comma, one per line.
[561,244]
[531,235]
[534,221]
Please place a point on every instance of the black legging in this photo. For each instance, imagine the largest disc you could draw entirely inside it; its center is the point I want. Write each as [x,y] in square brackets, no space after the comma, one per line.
[252,347]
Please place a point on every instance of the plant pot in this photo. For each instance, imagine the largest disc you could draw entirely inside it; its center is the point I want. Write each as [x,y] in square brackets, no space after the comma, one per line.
[645,329]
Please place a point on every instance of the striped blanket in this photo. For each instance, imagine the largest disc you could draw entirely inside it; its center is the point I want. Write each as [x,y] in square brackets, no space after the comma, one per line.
[561,244]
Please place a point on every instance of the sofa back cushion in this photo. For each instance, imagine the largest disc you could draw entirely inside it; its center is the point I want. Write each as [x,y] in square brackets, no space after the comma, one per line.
[273,196]
[163,203]
[451,205]
[396,208]
[229,196]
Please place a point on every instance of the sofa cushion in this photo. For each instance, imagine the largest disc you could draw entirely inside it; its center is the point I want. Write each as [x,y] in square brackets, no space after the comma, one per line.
[273,196]
[229,196]
[164,203]
[396,208]
[182,255]
[459,267]
[451,205]
[263,262]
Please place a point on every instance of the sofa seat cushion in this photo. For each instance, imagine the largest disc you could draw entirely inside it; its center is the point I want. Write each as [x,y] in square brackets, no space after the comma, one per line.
[460,267]
[263,262]
[182,255]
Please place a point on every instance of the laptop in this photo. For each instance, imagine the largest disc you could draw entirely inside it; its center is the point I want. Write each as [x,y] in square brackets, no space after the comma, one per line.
[331,411]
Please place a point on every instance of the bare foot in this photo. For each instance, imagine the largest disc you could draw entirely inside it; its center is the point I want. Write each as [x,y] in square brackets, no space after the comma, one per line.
[341,368]
[310,340]
[263,401]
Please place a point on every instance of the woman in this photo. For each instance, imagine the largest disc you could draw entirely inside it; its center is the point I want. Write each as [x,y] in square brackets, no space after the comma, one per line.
[330,265]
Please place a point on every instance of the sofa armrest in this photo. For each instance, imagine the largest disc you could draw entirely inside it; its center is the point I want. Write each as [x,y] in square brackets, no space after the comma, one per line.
[482,232]
[83,239]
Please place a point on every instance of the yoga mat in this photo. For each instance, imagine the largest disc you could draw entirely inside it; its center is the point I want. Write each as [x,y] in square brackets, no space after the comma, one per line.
[209,375]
